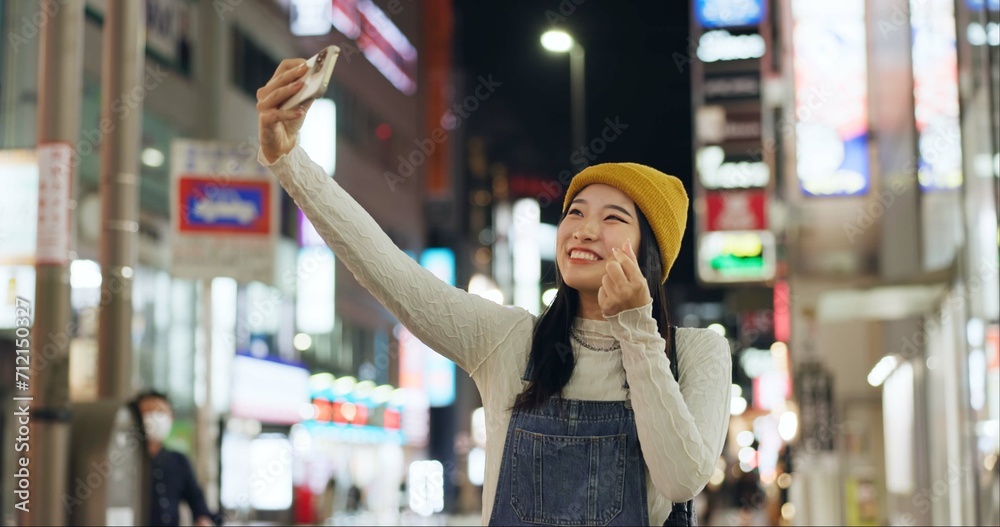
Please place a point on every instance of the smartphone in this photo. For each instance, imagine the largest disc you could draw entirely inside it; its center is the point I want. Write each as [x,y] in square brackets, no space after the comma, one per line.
[316,79]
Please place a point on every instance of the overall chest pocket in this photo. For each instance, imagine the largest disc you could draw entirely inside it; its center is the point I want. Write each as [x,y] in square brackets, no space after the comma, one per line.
[567,480]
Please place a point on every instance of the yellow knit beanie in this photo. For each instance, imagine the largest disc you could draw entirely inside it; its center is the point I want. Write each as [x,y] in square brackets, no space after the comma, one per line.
[661,198]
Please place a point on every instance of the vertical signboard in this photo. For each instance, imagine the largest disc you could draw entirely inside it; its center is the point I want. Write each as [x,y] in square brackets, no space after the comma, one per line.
[831,97]
[439,372]
[223,213]
[55,190]
[935,94]
[420,367]
[734,172]
[18,224]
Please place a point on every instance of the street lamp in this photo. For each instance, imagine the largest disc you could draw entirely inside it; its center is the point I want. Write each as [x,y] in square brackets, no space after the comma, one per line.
[559,41]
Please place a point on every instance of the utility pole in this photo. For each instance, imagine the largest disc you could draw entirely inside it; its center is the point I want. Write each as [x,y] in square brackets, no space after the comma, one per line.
[578,99]
[60,77]
[122,96]
[123,61]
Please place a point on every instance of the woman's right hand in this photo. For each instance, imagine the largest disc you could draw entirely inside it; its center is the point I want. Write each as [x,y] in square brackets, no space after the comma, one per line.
[278,128]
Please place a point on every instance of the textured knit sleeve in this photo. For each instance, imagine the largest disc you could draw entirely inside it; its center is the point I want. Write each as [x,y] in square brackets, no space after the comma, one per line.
[460,326]
[682,427]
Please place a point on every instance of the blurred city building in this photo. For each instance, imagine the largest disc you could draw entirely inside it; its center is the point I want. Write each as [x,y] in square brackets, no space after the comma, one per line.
[264,353]
[844,239]
[846,162]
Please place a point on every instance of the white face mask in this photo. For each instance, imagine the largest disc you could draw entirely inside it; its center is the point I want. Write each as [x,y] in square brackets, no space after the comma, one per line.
[157,425]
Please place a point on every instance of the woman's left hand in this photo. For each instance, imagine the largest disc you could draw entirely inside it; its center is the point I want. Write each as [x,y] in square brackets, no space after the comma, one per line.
[623,286]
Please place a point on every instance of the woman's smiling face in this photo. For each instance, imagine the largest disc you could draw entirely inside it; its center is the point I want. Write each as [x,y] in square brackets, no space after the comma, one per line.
[599,218]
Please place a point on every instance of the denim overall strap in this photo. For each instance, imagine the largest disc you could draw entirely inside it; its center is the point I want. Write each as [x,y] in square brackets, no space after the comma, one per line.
[573,463]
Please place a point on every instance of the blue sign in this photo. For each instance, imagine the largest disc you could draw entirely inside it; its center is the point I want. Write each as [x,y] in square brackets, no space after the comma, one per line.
[728,13]
[439,372]
[977,5]
[441,262]
[208,205]
[439,379]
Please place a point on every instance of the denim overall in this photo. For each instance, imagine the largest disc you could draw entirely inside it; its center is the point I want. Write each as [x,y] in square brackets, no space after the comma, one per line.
[572,462]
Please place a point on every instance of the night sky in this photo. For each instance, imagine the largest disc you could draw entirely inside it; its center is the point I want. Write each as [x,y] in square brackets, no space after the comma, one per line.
[630,74]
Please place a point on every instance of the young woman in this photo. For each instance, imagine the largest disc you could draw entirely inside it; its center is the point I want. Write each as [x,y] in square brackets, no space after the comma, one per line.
[585,423]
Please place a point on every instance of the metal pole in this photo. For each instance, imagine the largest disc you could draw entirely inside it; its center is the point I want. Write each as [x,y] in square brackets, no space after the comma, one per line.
[207,431]
[578,106]
[121,115]
[59,93]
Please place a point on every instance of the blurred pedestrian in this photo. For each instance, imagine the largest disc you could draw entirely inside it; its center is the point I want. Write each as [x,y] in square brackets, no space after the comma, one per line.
[570,394]
[173,479]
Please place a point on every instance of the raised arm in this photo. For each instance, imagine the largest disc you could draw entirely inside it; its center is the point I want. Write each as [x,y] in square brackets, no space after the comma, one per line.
[463,327]
[682,427]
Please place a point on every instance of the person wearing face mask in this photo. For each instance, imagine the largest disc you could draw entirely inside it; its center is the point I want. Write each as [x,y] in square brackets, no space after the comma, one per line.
[173,478]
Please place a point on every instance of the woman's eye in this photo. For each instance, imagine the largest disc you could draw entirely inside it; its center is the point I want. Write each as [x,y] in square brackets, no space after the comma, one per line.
[614,218]
[575,211]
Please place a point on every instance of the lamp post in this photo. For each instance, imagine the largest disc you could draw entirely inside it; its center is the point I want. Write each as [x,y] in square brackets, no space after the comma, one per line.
[559,41]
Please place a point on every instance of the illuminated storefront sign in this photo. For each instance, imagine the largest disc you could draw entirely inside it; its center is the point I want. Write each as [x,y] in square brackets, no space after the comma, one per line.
[736,256]
[729,13]
[978,5]
[382,43]
[268,390]
[720,45]
[831,97]
[736,210]
[18,225]
[364,413]
[716,172]
[935,94]
[310,17]
[724,87]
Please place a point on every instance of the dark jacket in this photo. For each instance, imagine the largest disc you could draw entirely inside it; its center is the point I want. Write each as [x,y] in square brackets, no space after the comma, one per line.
[173,481]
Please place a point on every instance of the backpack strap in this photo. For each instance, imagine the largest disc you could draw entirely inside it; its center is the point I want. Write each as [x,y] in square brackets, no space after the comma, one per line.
[681,513]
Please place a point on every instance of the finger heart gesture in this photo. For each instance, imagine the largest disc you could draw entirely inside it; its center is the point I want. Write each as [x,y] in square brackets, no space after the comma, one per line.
[623,286]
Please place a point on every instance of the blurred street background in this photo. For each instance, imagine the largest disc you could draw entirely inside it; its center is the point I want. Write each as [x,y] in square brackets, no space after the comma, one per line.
[841,156]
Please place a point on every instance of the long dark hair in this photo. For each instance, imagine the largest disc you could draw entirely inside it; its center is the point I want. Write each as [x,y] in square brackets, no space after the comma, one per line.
[551,355]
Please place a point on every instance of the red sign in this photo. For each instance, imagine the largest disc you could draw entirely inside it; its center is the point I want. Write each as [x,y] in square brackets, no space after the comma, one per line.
[993,347]
[208,204]
[782,312]
[736,210]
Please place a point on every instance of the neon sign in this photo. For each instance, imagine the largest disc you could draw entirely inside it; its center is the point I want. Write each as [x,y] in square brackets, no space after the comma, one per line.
[720,45]
[736,256]
[729,13]
[382,43]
